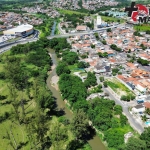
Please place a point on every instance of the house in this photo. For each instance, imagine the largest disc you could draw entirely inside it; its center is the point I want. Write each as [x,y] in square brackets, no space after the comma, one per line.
[139,86]
[138,108]
[131,66]
[147,105]
[108,68]
[81,28]
[99,69]
[110,53]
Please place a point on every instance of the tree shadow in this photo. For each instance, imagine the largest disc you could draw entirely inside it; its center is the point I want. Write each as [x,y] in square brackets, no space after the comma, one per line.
[60,112]
[90,135]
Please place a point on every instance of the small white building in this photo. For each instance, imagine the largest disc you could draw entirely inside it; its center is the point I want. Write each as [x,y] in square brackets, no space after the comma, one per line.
[138,108]
[141,88]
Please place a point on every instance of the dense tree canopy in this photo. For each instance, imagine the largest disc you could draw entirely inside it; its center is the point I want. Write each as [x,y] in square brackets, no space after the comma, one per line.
[114,137]
[90,80]
[70,57]
[62,68]
[59,44]
[80,125]
[146,137]
[135,144]
[72,88]
[100,112]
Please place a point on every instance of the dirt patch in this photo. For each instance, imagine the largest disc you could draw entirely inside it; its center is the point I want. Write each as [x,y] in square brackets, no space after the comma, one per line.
[54,82]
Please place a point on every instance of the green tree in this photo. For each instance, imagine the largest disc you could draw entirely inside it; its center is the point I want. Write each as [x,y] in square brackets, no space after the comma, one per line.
[114,137]
[146,137]
[144,118]
[147,111]
[92,46]
[109,30]
[58,135]
[105,83]
[79,124]
[90,80]
[62,68]
[70,57]
[123,120]
[82,64]
[45,99]
[101,78]
[118,109]
[135,144]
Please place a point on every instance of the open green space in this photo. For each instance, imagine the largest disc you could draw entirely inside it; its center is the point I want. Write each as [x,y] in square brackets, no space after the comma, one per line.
[18,105]
[46,27]
[118,87]
[74,68]
[70,12]
[112,19]
[142,27]
[29,118]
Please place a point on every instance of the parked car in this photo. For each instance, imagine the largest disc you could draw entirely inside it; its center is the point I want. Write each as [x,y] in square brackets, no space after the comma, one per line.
[140,101]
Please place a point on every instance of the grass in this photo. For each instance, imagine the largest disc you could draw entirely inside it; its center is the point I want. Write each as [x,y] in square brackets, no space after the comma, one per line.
[118,87]
[142,27]
[70,12]
[18,131]
[83,74]
[74,69]
[56,32]
[107,18]
[13,40]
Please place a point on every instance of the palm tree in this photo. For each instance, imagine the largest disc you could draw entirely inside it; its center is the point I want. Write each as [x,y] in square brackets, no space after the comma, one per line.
[147,111]
[144,118]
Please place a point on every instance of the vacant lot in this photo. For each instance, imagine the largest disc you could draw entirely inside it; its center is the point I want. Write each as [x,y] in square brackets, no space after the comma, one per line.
[111,19]
[118,87]
[142,27]
[70,12]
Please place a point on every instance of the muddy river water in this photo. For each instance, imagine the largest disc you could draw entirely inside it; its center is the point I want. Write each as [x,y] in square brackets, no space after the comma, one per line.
[95,143]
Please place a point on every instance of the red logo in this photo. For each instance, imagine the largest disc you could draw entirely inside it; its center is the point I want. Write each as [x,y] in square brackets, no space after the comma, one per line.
[142,11]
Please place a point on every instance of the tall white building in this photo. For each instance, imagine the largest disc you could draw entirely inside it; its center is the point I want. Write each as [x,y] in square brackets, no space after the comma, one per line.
[99,21]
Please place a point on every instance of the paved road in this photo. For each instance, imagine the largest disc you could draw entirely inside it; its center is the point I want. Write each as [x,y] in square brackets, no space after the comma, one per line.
[85,32]
[8,47]
[136,125]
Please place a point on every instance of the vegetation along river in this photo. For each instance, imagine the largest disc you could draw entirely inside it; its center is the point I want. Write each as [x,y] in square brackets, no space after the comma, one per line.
[95,143]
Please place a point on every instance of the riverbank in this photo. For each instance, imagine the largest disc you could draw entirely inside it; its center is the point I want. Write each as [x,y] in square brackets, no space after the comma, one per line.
[52,83]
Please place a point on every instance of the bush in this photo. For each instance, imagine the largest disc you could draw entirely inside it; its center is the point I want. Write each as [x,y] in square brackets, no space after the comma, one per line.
[114,138]
[2,75]
[118,109]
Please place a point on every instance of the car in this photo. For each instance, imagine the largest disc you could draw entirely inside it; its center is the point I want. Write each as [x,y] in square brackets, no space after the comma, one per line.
[140,101]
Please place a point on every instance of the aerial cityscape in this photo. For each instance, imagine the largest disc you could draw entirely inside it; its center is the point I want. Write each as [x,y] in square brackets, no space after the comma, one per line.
[74,75]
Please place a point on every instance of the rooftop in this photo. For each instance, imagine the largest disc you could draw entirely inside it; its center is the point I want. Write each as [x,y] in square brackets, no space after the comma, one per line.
[21,28]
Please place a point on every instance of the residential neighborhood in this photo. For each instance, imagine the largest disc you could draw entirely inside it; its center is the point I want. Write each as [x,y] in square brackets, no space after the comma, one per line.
[86,4]
[103,60]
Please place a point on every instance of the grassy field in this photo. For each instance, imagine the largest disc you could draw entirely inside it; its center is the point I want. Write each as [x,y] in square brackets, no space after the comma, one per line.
[118,87]
[110,19]
[17,132]
[70,12]
[74,69]
[142,27]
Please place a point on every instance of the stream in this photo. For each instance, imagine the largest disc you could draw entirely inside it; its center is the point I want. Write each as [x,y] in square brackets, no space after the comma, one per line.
[53,28]
[95,143]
